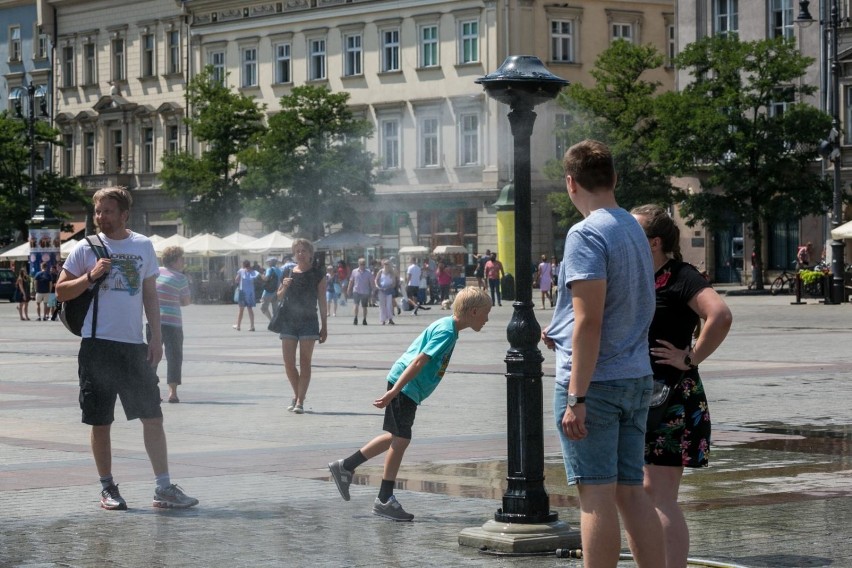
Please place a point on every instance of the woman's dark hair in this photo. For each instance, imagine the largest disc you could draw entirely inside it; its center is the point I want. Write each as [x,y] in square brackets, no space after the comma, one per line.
[657,223]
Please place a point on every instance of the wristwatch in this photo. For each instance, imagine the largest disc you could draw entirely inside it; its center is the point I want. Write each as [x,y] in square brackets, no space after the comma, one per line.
[574,400]
[687,359]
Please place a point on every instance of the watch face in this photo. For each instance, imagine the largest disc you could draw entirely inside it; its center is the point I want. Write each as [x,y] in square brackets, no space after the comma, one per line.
[572,400]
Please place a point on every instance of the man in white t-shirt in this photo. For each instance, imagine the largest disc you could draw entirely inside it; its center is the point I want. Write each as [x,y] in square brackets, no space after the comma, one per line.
[113,360]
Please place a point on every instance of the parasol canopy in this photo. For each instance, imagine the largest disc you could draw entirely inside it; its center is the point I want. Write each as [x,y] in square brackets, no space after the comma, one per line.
[449,249]
[414,249]
[174,240]
[274,241]
[20,252]
[207,244]
[844,231]
[346,240]
[240,238]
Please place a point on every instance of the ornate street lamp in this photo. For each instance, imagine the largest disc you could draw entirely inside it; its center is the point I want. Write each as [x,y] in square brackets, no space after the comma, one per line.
[830,148]
[24,101]
[522,82]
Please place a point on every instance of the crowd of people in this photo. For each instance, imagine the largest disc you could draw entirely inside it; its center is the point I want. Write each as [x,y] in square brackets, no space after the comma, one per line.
[629,405]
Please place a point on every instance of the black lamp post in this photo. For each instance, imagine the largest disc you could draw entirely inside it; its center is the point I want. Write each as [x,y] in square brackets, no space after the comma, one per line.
[16,97]
[830,148]
[522,82]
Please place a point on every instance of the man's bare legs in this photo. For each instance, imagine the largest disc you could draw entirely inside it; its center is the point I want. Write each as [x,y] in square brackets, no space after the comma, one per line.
[600,530]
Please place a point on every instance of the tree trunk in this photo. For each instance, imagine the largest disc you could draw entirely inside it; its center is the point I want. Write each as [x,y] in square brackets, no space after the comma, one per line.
[757,255]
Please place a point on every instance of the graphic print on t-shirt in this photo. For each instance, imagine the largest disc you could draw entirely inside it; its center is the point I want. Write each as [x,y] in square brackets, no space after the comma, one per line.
[445,362]
[125,273]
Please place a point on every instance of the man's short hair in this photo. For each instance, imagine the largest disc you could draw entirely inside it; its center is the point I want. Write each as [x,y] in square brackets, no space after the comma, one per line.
[590,164]
[470,298]
[122,197]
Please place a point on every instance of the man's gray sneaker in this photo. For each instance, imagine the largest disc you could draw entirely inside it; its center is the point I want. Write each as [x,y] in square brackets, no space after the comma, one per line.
[391,510]
[173,497]
[112,500]
[341,477]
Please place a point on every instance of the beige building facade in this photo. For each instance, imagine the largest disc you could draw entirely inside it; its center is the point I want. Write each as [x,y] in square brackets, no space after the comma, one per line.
[409,67]
[728,251]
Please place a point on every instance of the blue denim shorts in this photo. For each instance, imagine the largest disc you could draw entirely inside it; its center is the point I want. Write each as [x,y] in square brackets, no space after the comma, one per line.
[300,327]
[613,450]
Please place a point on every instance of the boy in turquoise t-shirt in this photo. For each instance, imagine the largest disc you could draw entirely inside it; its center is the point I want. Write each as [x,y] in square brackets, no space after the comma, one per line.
[413,377]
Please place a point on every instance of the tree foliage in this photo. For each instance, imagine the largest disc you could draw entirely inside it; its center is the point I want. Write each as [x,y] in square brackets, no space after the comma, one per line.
[755,157]
[226,123]
[310,163]
[619,110]
[52,189]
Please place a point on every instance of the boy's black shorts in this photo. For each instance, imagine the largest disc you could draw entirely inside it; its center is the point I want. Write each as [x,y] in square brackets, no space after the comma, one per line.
[399,415]
[113,368]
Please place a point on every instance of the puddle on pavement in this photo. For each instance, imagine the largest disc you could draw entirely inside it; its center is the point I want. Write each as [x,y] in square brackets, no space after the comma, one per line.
[781,463]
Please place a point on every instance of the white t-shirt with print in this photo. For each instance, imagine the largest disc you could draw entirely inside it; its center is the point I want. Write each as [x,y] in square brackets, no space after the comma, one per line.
[120,299]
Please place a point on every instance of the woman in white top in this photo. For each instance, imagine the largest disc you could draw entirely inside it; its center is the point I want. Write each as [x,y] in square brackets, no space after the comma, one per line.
[386,283]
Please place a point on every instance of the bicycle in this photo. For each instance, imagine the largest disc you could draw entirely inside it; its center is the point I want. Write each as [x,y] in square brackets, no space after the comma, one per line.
[785,283]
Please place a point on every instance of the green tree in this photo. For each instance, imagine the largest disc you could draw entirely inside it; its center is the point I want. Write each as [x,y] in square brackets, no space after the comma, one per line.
[226,123]
[310,163]
[755,155]
[618,110]
[52,189]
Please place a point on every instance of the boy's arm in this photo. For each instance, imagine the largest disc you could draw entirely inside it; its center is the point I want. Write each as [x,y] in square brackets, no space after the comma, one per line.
[409,373]
[588,301]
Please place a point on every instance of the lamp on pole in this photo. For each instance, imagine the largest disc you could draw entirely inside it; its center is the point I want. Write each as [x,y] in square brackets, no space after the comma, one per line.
[24,101]
[830,147]
[522,82]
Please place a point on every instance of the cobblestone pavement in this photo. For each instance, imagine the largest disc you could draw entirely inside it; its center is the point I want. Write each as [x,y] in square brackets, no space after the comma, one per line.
[778,492]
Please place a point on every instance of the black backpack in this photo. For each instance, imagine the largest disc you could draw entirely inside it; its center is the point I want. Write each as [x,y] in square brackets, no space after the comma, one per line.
[73,312]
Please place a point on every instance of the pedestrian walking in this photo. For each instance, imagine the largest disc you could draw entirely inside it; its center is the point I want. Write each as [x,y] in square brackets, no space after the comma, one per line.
[361,288]
[245,293]
[173,293]
[303,293]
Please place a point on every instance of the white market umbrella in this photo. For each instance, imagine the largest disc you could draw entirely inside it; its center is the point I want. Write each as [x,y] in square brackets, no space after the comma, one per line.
[274,241]
[414,249]
[174,240]
[66,247]
[240,238]
[449,249]
[20,252]
[844,231]
[156,238]
[207,245]
[343,240]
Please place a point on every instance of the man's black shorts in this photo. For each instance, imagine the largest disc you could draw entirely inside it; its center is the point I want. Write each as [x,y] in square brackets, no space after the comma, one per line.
[399,415]
[113,368]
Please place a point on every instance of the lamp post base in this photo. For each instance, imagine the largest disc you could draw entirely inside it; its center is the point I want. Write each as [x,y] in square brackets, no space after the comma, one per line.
[521,538]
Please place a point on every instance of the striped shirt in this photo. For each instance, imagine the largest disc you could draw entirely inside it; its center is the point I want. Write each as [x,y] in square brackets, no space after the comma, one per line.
[172,286]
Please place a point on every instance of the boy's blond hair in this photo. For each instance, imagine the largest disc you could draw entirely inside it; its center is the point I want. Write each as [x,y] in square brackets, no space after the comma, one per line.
[470,298]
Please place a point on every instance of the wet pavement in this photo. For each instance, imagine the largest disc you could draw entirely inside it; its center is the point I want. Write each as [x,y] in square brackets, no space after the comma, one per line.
[778,492]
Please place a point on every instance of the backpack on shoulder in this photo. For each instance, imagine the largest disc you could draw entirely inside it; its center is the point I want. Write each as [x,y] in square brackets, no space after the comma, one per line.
[73,312]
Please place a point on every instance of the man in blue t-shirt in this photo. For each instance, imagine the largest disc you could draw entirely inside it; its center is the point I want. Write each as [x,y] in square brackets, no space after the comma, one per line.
[44,286]
[603,368]
[271,280]
[413,377]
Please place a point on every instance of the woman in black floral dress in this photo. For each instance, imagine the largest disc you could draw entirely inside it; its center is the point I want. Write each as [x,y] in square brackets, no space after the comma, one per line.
[681,438]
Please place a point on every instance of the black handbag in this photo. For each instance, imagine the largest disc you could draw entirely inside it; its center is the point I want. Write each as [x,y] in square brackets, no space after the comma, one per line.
[660,401]
[73,312]
[276,325]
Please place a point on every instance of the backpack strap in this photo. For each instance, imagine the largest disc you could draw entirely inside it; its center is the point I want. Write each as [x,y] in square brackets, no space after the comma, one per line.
[100,252]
